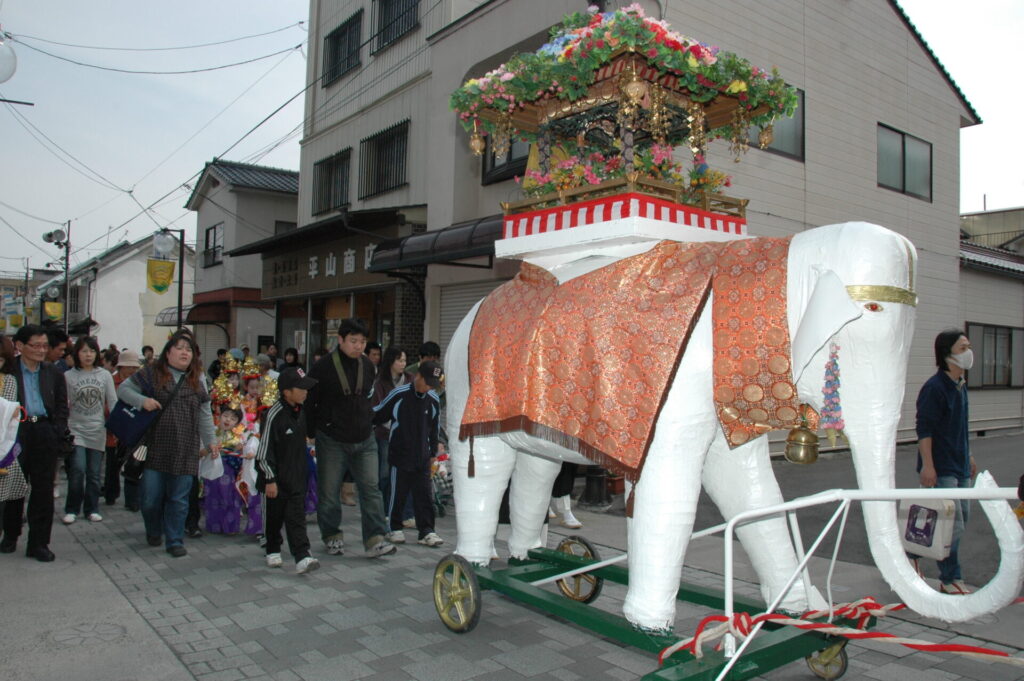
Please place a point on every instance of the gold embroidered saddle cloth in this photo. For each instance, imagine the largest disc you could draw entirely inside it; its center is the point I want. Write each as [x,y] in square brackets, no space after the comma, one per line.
[587,364]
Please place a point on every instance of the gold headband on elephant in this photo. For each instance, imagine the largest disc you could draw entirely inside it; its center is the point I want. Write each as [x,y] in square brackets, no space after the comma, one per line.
[882,294]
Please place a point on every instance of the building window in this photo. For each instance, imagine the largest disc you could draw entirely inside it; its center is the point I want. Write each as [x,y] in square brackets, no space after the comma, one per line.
[330,182]
[395,18]
[787,133]
[904,163]
[213,253]
[73,304]
[280,226]
[382,162]
[512,163]
[998,356]
[341,49]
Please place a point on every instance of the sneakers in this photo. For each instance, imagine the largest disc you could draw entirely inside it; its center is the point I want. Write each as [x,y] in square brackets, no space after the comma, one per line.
[95,518]
[68,518]
[335,546]
[193,532]
[274,560]
[954,588]
[431,539]
[381,548]
[395,537]
[409,523]
[307,564]
[177,551]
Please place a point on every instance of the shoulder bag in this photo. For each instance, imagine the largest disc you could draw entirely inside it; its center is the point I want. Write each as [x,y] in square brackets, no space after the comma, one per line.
[136,461]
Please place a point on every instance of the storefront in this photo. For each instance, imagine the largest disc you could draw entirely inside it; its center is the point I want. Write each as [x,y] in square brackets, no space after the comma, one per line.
[318,275]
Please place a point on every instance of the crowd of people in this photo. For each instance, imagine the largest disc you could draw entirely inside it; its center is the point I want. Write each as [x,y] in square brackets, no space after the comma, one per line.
[248,445]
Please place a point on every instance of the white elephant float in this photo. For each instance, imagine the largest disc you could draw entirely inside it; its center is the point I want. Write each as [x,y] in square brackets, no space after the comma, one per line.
[850,284]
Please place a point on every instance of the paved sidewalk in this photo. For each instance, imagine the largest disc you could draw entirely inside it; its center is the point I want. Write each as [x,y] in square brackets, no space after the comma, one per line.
[111,608]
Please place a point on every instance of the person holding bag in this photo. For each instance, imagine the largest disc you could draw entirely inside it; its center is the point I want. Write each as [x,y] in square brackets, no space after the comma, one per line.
[172,383]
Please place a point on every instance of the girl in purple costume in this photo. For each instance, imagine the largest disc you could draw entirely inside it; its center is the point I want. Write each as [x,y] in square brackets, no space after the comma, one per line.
[222,503]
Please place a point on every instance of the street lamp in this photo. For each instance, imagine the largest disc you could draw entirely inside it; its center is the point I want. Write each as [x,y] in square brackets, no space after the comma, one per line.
[163,244]
[62,239]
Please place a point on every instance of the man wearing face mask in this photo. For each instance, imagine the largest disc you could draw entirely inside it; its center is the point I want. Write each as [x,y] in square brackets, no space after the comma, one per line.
[944,456]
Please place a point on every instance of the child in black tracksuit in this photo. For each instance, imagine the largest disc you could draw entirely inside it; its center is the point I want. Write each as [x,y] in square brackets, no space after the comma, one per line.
[283,473]
[414,411]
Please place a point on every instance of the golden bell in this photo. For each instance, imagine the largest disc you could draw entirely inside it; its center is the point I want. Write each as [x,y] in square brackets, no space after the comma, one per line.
[802,445]
[477,144]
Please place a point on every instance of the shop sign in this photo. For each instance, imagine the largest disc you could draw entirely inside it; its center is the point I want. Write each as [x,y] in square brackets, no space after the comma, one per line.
[324,267]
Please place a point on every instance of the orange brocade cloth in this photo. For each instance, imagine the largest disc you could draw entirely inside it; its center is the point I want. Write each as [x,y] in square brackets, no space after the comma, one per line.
[587,364]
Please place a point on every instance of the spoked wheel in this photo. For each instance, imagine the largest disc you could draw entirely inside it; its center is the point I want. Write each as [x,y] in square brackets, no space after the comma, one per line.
[584,587]
[830,663]
[456,594]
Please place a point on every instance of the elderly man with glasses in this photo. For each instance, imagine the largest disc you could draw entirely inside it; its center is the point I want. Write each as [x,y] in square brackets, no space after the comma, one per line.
[43,393]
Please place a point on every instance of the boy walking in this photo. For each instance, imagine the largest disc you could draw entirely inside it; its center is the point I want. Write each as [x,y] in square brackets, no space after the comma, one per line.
[413,410]
[282,471]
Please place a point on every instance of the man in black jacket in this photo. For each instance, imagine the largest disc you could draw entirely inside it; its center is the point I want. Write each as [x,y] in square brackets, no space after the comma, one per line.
[282,471]
[44,395]
[339,415]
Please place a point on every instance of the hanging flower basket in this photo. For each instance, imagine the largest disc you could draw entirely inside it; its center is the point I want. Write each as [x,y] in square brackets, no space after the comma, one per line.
[614,93]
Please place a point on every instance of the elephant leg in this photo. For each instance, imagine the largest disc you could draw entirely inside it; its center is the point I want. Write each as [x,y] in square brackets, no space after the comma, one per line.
[742,479]
[478,499]
[665,497]
[528,500]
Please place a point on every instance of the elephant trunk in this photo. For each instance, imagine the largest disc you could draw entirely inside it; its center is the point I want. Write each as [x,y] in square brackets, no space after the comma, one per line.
[874,451]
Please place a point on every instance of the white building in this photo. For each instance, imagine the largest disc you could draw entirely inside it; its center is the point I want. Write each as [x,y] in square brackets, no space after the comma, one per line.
[109,297]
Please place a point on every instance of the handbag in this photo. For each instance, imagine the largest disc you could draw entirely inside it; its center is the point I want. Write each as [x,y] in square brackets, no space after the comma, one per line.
[129,424]
[927,527]
[135,463]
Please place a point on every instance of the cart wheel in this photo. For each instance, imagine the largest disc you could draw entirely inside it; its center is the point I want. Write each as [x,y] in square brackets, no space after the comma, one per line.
[456,593]
[830,663]
[582,587]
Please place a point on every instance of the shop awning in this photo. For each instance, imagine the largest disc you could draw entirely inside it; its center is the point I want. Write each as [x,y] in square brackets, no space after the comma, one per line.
[334,225]
[195,313]
[470,239]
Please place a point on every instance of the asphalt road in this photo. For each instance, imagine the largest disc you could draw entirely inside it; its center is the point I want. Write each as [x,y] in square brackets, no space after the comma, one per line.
[1002,455]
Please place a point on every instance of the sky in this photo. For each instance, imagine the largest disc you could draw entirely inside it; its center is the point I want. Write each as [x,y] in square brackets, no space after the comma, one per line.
[142,137]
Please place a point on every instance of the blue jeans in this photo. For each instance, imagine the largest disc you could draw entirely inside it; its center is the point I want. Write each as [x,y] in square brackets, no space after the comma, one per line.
[165,505]
[85,474]
[333,458]
[949,567]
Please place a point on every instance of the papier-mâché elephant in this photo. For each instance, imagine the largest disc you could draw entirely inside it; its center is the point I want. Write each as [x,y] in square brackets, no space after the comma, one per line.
[849,285]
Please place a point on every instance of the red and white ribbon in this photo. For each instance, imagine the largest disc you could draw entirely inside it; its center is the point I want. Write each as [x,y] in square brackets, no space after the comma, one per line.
[742,624]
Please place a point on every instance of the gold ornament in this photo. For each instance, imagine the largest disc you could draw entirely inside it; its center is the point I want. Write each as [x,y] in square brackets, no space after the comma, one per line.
[740,142]
[477,144]
[250,369]
[765,137]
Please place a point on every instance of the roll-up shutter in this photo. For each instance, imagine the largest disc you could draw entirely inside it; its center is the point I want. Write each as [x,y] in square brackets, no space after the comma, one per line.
[456,301]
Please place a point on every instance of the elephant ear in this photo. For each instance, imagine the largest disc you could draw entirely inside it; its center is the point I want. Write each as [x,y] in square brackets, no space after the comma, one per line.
[828,309]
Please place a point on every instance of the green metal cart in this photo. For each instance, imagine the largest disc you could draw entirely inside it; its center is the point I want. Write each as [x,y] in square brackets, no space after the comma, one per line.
[458,587]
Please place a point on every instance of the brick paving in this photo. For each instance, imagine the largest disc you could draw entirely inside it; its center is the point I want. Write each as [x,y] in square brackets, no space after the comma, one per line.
[226,617]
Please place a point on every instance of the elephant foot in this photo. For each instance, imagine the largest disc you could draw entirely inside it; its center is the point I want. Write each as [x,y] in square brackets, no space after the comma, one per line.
[653,631]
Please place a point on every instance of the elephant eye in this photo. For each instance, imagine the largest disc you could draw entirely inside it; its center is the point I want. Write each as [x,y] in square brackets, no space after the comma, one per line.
[872,307]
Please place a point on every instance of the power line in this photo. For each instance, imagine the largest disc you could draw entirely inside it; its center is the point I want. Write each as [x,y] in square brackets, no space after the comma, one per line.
[29,215]
[157,73]
[159,49]
[26,239]
[26,123]
[215,117]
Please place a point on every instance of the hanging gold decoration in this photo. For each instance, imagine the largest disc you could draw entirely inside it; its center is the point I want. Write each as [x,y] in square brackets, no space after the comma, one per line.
[476,141]
[739,142]
[698,140]
[658,116]
[765,137]
[501,141]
